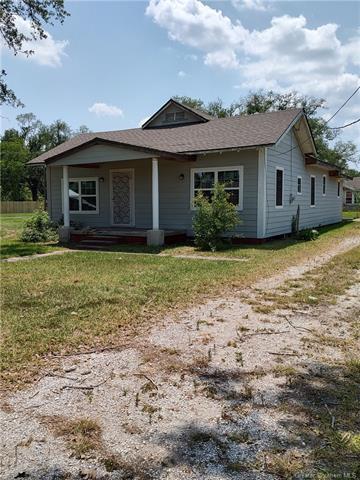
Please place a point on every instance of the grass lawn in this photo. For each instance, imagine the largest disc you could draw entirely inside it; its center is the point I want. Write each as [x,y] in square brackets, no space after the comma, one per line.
[351,215]
[87,299]
[11,225]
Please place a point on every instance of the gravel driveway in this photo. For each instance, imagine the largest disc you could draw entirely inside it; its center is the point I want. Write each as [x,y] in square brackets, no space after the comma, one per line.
[200,397]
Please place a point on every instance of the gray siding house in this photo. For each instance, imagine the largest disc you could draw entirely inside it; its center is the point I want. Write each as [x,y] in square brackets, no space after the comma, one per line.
[142,182]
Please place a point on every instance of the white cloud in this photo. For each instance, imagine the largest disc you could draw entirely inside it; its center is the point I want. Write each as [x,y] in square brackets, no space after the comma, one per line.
[258,5]
[182,74]
[103,110]
[286,55]
[47,51]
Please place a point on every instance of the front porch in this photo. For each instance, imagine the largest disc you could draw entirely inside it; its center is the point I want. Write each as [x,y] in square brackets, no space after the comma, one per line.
[113,202]
[109,236]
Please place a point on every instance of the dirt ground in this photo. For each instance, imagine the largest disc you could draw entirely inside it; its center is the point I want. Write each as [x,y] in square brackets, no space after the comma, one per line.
[207,395]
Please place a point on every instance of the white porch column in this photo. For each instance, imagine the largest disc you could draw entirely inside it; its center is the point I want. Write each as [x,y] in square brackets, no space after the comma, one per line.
[155,236]
[155,194]
[66,196]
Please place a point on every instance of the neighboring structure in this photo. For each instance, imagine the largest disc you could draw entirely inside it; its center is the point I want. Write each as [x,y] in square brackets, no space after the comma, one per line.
[351,192]
[144,180]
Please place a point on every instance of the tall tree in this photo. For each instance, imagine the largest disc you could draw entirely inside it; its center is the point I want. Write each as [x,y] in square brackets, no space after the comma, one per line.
[30,140]
[38,13]
[13,172]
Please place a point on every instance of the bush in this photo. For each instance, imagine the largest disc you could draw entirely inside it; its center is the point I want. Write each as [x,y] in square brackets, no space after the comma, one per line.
[308,234]
[39,228]
[213,218]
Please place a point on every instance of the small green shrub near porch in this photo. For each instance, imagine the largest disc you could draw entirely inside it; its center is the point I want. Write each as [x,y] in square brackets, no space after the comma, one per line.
[39,228]
[213,218]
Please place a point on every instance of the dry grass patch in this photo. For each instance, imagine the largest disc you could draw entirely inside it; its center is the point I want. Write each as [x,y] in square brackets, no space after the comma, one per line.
[82,436]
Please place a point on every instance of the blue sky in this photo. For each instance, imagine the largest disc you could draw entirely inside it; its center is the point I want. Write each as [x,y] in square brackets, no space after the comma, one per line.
[112,64]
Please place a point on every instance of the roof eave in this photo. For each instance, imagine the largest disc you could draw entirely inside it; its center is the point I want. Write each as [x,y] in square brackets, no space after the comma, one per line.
[228,149]
[101,141]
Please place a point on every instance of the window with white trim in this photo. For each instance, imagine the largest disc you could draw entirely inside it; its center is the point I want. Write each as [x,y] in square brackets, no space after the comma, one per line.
[312,191]
[338,189]
[83,195]
[299,185]
[324,185]
[348,197]
[178,116]
[203,181]
[279,188]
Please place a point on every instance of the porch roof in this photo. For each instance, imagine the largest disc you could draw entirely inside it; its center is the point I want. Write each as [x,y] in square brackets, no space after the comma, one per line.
[218,134]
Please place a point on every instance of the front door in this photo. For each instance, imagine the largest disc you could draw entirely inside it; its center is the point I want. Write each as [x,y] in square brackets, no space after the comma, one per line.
[122,197]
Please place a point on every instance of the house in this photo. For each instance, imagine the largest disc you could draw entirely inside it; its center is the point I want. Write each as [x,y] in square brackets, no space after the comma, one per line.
[351,192]
[140,184]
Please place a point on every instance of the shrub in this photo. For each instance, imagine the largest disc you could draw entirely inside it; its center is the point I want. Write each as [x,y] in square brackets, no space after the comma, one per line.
[39,228]
[308,234]
[213,218]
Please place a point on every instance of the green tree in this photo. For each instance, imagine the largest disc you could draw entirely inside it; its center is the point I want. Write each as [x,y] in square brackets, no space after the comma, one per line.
[35,138]
[38,13]
[14,155]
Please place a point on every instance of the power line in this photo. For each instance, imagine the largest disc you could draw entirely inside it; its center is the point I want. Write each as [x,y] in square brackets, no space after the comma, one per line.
[327,121]
[343,105]
[347,125]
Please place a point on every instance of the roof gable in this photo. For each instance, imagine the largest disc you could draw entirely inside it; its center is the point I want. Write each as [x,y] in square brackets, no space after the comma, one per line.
[174,113]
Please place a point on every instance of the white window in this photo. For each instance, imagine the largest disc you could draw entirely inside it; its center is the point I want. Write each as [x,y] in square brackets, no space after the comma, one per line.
[338,189]
[324,185]
[175,116]
[204,179]
[279,188]
[83,195]
[312,190]
[348,198]
[299,185]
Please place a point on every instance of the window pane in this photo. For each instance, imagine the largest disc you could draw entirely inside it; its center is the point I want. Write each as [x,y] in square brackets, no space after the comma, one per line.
[179,116]
[229,178]
[324,185]
[279,188]
[88,203]
[169,117]
[204,179]
[299,185]
[73,204]
[312,191]
[74,189]
[88,187]
[233,196]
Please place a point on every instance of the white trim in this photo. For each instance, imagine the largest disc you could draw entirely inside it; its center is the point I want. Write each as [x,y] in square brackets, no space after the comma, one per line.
[322,185]
[313,176]
[132,197]
[216,170]
[83,179]
[261,210]
[283,180]
[65,194]
[297,185]
[155,194]
[296,119]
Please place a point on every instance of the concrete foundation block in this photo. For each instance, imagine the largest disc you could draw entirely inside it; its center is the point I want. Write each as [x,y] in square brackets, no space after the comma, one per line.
[155,237]
[64,234]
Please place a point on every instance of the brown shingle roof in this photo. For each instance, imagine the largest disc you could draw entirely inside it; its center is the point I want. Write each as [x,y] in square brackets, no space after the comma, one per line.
[353,184]
[216,134]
